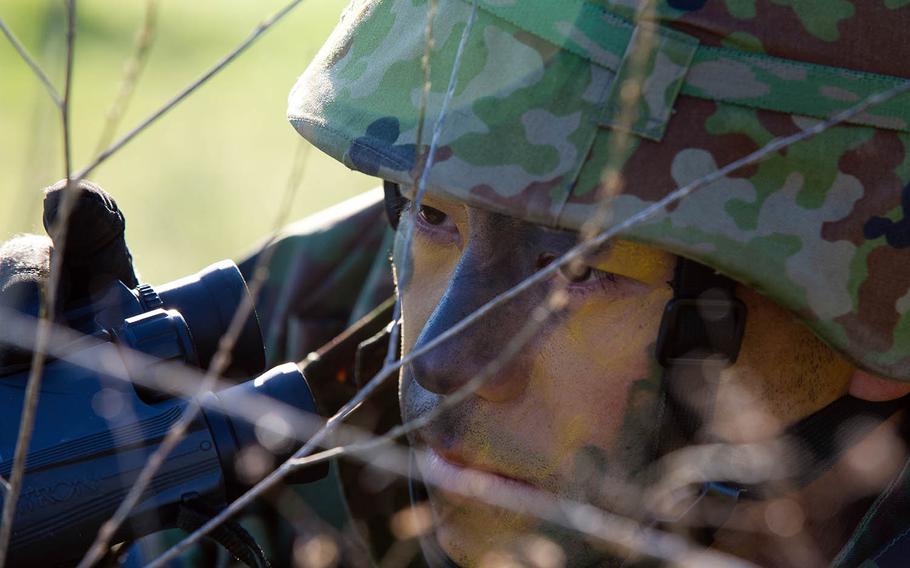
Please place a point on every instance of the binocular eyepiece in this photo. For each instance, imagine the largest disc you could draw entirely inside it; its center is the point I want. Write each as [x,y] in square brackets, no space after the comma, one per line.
[205,301]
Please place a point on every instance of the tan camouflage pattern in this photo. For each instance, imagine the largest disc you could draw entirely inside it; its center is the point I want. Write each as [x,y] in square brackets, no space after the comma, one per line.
[822,227]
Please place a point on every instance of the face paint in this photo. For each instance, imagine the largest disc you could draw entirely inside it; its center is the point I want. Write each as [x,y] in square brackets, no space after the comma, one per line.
[635,261]
[564,394]
[578,402]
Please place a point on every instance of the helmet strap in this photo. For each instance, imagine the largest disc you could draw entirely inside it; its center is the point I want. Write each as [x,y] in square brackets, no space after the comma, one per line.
[700,335]
[816,443]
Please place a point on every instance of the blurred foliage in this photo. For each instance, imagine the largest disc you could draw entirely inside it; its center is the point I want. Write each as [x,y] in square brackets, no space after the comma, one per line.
[206,181]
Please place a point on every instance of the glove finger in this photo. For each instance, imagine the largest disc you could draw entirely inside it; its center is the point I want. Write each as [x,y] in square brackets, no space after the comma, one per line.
[95,253]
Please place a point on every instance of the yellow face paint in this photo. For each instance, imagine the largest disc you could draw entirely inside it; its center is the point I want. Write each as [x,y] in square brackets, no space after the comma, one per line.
[632,260]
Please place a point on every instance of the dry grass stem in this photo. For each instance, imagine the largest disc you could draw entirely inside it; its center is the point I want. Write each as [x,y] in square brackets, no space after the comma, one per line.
[131,74]
[33,65]
[260,29]
[47,310]
[219,364]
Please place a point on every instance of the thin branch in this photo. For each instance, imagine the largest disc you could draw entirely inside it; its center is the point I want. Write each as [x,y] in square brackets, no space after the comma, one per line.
[133,69]
[631,96]
[516,343]
[182,379]
[367,390]
[392,350]
[611,529]
[402,275]
[176,379]
[434,141]
[427,84]
[48,311]
[621,534]
[67,91]
[260,29]
[102,356]
[577,252]
[355,401]
[219,364]
[30,61]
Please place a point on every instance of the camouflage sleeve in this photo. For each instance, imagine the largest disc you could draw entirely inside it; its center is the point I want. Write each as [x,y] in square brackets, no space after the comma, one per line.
[326,271]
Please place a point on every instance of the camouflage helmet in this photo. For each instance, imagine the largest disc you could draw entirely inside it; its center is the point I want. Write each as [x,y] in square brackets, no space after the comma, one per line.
[539,113]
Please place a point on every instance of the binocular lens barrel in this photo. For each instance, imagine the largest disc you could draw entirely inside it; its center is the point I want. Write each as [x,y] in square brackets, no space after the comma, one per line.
[208,301]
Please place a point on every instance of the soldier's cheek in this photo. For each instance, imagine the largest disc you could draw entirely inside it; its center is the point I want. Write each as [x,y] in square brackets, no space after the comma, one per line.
[422,280]
[597,373]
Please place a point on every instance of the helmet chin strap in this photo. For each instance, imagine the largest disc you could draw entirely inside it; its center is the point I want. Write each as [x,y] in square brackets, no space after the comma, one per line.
[700,335]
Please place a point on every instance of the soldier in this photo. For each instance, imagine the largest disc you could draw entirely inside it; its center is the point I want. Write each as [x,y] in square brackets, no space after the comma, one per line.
[733,368]
[769,307]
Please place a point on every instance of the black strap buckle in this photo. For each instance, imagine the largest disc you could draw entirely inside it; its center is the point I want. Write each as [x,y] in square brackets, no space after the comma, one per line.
[699,329]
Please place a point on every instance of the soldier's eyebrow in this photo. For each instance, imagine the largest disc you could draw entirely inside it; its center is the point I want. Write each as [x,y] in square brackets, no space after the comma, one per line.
[571,238]
[600,250]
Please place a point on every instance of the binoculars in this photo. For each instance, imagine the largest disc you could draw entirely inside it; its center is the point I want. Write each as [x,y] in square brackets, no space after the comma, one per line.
[95,431]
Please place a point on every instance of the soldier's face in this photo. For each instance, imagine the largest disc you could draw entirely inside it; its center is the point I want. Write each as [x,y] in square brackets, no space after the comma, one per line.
[564,413]
[572,408]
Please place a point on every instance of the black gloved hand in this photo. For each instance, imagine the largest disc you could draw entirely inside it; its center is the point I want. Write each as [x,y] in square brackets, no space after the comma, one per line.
[24,265]
[95,253]
[94,256]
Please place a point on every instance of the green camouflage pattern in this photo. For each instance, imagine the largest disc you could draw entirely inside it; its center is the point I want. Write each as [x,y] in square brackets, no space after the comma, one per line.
[325,272]
[550,95]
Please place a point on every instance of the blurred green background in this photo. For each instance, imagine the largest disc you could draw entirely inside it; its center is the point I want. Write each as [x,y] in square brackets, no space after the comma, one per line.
[206,181]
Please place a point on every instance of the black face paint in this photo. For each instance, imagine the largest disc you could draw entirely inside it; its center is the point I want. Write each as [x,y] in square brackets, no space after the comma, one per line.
[591,469]
[500,254]
[639,434]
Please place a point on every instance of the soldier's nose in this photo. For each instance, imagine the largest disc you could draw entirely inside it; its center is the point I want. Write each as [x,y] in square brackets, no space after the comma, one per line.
[480,349]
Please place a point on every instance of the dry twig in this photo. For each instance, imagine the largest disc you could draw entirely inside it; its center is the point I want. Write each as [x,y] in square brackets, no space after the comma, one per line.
[577,252]
[260,29]
[219,364]
[131,73]
[48,308]
[30,61]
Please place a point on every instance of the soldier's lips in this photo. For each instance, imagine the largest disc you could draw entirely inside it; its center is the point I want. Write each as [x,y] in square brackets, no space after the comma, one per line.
[451,473]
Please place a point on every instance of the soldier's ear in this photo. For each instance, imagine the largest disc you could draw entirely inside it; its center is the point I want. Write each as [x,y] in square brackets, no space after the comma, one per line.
[876,389]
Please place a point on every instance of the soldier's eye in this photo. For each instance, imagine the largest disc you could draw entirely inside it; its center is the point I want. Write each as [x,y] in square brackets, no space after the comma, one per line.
[580,274]
[576,274]
[432,216]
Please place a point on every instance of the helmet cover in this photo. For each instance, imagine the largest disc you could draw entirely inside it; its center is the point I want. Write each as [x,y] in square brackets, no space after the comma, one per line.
[539,114]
